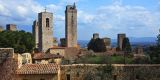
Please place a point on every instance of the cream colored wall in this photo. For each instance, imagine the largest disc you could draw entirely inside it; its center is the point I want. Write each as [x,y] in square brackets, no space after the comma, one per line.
[60,51]
[27,57]
[41,61]
[19,60]
[58,61]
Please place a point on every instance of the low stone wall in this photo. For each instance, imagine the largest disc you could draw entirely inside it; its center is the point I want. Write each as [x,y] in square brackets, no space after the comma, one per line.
[110,72]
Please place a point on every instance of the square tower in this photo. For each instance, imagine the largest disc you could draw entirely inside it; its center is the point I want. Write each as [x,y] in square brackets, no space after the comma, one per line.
[71,26]
[35,32]
[45,23]
[11,27]
[120,40]
[95,36]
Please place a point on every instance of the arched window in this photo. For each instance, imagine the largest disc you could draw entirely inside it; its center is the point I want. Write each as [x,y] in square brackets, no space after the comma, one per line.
[47,22]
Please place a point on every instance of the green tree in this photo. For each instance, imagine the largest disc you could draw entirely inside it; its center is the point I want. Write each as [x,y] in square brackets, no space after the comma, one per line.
[97,45]
[21,41]
[126,46]
[154,52]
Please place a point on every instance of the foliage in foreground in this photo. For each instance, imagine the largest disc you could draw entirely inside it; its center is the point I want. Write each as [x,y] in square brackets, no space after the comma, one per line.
[21,41]
[154,52]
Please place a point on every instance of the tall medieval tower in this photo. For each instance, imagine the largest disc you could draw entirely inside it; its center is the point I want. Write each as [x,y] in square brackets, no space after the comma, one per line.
[35,32]
[120,40]
[45,22]
[71,26]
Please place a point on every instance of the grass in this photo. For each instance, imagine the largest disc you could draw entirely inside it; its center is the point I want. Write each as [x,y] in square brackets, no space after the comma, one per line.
[106,59]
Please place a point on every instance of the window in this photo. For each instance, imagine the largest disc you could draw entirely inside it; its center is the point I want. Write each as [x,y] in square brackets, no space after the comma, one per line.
[57,53]
[115,77]
[47,22]
[68,77]
[137,77]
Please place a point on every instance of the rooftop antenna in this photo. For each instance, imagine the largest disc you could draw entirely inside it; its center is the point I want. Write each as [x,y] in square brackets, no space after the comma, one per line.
[74,5]
[45,10]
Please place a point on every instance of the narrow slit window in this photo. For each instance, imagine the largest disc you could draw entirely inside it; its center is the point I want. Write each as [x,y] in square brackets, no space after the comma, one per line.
[47,22]
[68,76]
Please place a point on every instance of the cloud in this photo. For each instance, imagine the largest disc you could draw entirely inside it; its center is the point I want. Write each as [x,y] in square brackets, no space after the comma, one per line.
[23,11]
[135,21]
[108,20]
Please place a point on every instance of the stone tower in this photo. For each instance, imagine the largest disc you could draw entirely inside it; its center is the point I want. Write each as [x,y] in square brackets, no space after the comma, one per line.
[45,23]
[11,27]
[35,32]
[1,28]
[71,25]
[120,40]
[95,35]
[107,42]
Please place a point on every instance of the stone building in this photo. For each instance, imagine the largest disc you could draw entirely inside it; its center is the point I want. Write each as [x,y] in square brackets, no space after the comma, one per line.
[58,50]
[11,27]
[138,52]
[120,39]
[69,53]
[71,26]
[35,32]
[1,28]
[26,58]
[95,35]
[107,42]
[45,23]
[42,58]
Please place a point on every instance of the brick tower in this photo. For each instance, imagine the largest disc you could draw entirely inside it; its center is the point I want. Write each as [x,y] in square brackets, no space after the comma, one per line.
[71,26]
[45,22]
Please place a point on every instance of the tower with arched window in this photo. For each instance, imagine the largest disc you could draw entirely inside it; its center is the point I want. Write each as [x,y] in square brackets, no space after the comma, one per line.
[45,21]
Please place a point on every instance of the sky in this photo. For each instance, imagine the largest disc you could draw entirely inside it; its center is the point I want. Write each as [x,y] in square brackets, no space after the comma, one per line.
[136,18]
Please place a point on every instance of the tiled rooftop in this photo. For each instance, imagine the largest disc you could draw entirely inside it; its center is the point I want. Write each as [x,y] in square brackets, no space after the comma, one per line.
[45,56]
[38,69]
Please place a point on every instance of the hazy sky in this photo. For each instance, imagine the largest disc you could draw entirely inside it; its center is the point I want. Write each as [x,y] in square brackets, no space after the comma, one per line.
[136,18]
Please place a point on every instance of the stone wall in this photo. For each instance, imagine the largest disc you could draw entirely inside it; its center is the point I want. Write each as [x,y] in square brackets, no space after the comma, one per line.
[9,64]
[113,72]
[60,51]
[38,77]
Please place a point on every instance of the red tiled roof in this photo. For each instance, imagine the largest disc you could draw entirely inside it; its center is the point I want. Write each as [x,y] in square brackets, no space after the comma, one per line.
[38,69]
[45,56]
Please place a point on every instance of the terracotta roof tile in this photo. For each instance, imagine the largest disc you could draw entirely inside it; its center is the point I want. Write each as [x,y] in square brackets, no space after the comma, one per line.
[38,69]
[46,56]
